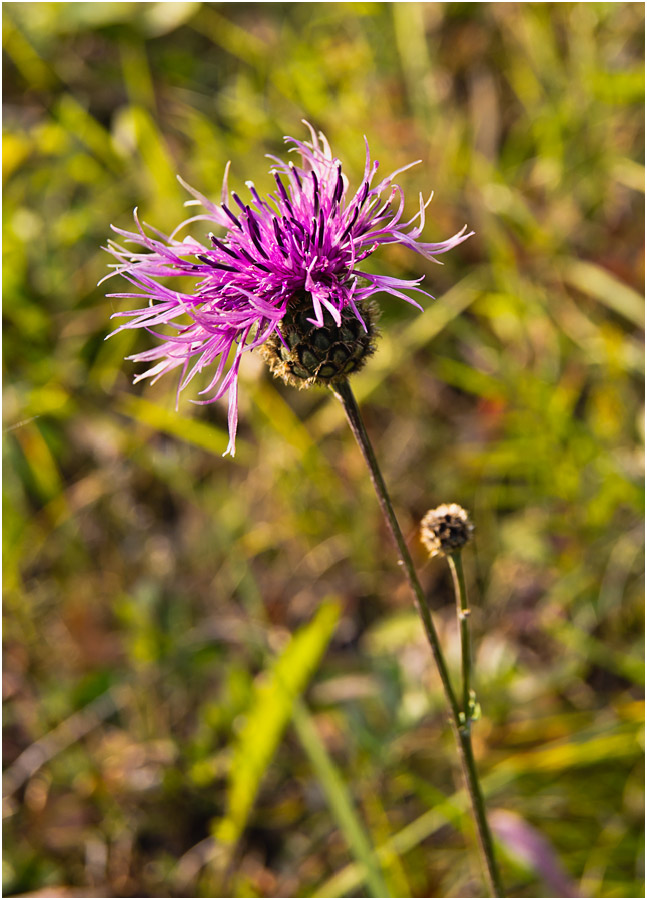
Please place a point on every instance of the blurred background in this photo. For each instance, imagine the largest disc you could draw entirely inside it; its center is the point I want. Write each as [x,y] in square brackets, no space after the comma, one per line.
[215,684]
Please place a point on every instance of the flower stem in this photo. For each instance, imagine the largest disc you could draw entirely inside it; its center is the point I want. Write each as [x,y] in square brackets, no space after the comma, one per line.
[462,612]
[460,724]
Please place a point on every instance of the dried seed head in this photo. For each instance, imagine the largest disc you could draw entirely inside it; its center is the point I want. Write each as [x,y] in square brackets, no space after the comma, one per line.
[446,529]
[320,354]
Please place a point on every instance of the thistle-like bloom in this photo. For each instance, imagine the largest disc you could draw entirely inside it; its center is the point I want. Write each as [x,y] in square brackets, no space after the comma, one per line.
[306,240]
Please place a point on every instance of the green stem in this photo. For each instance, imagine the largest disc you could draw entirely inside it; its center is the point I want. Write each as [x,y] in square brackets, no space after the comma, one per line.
[462,612]
[344,394]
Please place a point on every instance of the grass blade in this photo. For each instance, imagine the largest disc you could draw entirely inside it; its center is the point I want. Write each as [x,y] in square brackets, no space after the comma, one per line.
[269,713]
[339,800]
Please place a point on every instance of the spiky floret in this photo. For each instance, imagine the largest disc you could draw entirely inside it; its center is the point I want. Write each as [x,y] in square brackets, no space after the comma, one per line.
[308,237]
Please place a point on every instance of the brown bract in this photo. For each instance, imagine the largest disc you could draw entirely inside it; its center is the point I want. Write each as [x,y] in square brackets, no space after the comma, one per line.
[446,529]
[321,355]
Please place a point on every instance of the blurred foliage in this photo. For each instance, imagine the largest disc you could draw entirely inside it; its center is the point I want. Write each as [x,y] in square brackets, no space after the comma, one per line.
[151,587]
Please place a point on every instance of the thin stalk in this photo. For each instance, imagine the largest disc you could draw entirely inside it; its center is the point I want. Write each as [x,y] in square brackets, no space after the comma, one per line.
[462,612]
[460,726]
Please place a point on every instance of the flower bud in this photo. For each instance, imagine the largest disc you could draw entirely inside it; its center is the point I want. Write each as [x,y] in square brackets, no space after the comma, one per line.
[446,529]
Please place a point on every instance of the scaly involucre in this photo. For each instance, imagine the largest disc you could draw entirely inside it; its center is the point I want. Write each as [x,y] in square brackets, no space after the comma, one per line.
[308,237]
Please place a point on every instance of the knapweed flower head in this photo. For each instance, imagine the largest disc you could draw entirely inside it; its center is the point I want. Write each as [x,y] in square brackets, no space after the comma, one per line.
[292,256]
[446,529]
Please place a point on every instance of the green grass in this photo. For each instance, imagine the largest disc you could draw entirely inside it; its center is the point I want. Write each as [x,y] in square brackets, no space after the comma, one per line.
[155,592]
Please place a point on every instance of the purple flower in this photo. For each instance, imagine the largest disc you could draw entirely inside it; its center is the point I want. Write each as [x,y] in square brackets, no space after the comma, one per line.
[308,237]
